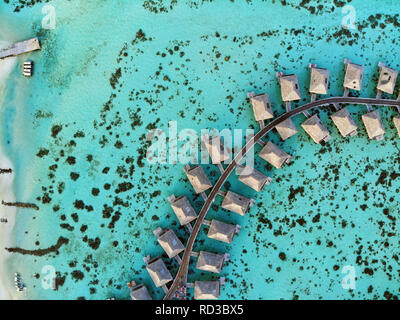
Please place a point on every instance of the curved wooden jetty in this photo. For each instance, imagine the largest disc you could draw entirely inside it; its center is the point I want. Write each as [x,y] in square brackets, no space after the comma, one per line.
[313,126]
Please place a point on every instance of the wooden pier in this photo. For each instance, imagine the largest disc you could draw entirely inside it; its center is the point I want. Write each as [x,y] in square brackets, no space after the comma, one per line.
[20,48]
[317,131]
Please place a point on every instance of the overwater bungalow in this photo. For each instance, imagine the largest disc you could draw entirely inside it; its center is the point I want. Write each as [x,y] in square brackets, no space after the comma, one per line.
[169,242]
[183,209]
[286,129]
[20,47]
[212,262]
[319,81]
[216,149]
[28,69]
[236,203]
[158,271]
[290,90]
[354,75]
[345,123]
[387,79]
[222,231]
[373,125]
[274,155]
[207,290]
[396,120]
[316,129]
[138,292]
[197,178]
[254,178]
[20,205]
[261,106]
[19,285]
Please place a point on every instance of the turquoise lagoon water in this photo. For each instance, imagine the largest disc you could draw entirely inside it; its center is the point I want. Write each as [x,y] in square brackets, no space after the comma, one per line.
[112,70]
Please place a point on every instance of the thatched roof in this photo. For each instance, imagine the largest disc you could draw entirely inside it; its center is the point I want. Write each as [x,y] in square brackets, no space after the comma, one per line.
[170,242]
[222,231]
[387,79]
[205,290]
[159,272]
[316,129]
[262,107]
[236,203]
[198,178]
[254,178]
[286,129]
[183,209]
[290,88]
[211,262]
[396,120]
[274,155]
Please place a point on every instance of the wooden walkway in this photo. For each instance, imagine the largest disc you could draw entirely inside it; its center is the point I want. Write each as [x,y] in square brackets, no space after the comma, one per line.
[180,278]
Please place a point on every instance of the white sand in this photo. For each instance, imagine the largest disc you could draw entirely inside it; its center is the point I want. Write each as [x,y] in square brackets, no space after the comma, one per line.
[7,290]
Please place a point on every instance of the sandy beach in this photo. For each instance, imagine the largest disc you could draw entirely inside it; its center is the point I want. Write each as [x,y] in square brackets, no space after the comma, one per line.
[7,290]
